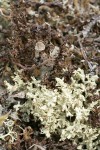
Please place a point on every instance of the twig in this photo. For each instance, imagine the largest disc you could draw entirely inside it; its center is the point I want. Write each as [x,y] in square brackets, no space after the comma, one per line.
[84,54]
[89,26]
[24,67]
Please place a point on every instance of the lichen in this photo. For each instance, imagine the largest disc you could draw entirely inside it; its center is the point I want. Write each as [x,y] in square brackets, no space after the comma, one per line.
[64,110]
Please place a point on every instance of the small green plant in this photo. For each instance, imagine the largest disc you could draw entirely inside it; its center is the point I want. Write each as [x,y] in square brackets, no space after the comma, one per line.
[64,110]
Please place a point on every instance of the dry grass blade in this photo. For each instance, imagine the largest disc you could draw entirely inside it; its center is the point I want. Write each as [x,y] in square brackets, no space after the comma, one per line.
[36,146]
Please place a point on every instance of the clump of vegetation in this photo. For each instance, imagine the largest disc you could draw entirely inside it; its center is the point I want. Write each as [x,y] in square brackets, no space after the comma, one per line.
[64,110]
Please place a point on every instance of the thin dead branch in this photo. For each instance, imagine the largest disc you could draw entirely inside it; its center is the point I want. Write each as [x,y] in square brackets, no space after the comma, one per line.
[89,26]
[84,54]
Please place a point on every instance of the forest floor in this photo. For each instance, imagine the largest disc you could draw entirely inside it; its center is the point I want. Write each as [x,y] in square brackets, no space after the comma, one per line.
[65,35]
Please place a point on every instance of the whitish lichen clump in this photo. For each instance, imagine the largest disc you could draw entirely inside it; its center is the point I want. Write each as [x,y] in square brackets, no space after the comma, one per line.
[64,110]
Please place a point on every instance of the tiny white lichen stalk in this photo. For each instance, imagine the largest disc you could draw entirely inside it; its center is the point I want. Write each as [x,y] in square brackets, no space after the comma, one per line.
[39,47]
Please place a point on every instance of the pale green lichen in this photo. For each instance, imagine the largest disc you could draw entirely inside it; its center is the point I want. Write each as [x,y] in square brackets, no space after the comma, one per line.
[56,108]
[9,125]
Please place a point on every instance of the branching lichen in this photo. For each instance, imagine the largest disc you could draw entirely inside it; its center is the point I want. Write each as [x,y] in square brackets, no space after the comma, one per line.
[9,124]
[64,110]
